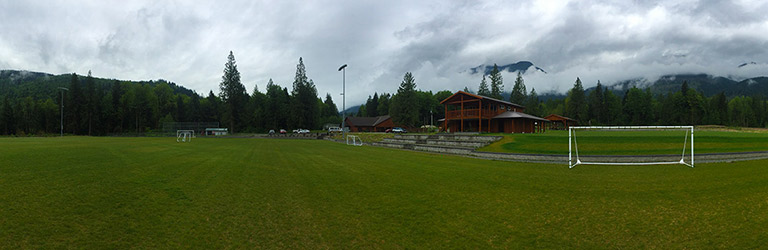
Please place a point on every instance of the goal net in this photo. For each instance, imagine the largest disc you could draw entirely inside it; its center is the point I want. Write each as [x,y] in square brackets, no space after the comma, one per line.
[630,145]
[354,140]
[184,135]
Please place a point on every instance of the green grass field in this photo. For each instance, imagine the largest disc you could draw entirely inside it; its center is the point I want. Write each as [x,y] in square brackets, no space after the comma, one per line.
[630,143]
[83,192]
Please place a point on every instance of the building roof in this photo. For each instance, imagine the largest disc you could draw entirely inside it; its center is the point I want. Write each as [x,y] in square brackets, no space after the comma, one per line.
[518,115]
[481,97]
[554,117]
[366,121]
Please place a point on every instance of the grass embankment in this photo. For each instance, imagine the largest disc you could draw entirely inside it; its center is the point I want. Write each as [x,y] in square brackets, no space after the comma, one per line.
[81,192]
[365,136]
[630,143]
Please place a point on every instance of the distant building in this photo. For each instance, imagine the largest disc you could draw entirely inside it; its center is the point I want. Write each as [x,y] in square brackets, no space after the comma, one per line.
[216,131]
[369,124]
[560,122]
[466,112]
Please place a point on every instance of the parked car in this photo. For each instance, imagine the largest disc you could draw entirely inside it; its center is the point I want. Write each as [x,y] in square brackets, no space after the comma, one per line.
[282,131]
[271,132]
[334,129]
[303,131]
[399,130]
[295,131]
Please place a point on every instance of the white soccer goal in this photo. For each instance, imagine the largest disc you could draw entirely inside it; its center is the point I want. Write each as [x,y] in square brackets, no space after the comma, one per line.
[355,140]
[666,139]
[184,135]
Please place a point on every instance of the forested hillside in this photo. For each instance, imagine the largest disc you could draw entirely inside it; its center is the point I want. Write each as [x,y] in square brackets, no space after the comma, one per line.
[30,103]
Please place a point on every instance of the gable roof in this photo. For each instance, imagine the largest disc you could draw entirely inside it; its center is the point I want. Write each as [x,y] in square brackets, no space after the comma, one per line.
[367,121]
[518,115]
[554,117]
[482,97]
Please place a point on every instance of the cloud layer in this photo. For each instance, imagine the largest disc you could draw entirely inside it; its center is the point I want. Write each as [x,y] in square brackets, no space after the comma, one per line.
[187,42]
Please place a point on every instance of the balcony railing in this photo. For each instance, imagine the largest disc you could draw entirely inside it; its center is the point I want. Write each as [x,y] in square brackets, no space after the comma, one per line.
[470,113]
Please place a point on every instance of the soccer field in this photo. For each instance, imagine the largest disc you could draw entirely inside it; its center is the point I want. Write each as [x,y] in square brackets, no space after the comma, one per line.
[631,142]
[99,192]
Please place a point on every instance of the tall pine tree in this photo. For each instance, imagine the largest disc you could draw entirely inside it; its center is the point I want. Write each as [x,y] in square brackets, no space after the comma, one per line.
[497,83]
[518,91]
[404,109]
[232,92]
[575,105]
[483,90]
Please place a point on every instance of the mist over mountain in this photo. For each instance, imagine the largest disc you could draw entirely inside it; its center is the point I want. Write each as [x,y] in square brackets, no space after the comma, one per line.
[521,66]
[708,85]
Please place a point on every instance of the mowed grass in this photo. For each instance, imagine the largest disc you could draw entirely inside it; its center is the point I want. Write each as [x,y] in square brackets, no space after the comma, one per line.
[631,142]
[81,192]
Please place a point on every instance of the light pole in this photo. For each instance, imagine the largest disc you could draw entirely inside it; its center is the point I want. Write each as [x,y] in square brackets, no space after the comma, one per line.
[62,110]
[343,100]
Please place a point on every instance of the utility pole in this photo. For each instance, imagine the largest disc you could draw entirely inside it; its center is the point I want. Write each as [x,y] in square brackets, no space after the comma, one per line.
[61,133]
[343,100]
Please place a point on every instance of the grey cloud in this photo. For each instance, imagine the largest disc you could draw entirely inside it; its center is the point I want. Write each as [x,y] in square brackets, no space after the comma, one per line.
[436,40]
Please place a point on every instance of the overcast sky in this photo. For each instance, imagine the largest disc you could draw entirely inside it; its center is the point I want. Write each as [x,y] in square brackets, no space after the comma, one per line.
[187,42]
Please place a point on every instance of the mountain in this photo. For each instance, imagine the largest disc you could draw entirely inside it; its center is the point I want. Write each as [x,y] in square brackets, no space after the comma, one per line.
[20,83]
[352,110]
[745,64]
[521,66]
[706,84]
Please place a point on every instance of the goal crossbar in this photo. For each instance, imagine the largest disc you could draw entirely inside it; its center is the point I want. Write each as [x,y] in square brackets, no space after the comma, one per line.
[572,143]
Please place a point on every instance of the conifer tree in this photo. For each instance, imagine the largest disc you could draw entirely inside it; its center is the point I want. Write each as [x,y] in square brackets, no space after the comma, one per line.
[404,108]
[518,95]
[483,89]
[532,103]
[575,105]
[232,93]
[497,83]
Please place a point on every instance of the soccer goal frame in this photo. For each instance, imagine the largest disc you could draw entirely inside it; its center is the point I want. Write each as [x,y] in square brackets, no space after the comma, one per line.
[356,141]
[573,144]
[184,135]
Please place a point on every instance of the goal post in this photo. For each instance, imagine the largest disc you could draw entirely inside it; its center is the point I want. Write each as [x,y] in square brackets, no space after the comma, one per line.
[184,135]
[606,145]
[354,140]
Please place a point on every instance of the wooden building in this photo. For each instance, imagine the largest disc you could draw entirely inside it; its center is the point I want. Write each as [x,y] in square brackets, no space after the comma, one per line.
[369,124]
[560,122]
[466,112]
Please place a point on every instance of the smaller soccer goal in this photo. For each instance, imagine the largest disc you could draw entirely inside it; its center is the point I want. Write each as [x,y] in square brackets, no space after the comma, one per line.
[184,135]
[630,145]
[354,140]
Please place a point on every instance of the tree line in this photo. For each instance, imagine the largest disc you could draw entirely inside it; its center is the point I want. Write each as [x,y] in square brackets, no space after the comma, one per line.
[95,106]
[602,106]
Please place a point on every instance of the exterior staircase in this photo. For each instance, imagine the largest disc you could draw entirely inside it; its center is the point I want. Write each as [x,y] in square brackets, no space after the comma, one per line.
[439,143]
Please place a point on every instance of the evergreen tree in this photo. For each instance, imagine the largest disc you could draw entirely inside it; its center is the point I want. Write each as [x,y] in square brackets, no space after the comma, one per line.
[497,83]
[372,105]
[362,111]
[232,92]
[596,105]
[518,91]
[91,101]
[75,105]
[383,106]
[330,112]
[403,107]
[304,105]
[612,111]
[575,105]
[117,110]
[7,118]
[467,89]
[532,104]
[483,90]
[258,102]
